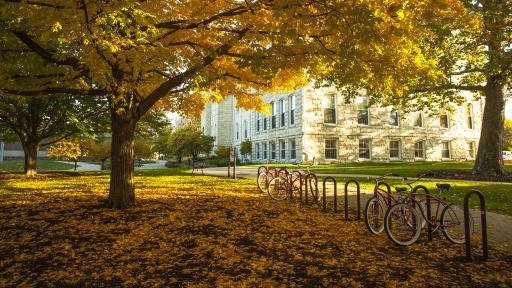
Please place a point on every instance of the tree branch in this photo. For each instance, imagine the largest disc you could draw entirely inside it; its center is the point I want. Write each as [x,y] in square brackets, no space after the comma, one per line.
[38,3]
[54,90]
[48,56]
[174,82]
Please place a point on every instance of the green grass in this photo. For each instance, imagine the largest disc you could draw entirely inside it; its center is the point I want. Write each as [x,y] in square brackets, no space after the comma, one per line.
[406,169]
[498,197]
[42,165]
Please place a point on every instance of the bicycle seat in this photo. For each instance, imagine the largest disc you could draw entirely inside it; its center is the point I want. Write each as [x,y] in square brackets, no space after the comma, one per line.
[443,186]
[400,189]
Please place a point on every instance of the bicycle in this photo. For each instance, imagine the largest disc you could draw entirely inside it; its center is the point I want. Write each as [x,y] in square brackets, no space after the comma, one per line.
[266,174]
[379,203]
[403,221]
[382,200]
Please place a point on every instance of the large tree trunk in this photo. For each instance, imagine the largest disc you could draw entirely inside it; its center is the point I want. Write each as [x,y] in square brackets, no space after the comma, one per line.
[30,149]
[489,161]
[122,194]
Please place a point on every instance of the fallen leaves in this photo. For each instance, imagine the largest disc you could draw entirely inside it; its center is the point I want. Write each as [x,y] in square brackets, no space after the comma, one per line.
[203,231]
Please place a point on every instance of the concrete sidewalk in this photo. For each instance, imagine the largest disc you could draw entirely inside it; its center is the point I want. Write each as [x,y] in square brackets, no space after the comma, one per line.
[83,166]
[499,226]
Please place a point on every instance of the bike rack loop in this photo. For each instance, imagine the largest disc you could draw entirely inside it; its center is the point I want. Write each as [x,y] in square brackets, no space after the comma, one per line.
[358,198]
[429,209]
[300,184]
[484,224]
[309,177]
[324,201]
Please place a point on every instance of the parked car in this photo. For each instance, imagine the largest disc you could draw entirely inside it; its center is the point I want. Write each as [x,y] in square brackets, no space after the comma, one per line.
[507,155]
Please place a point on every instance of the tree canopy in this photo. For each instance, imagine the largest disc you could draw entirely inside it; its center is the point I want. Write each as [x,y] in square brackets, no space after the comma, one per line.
[182,54]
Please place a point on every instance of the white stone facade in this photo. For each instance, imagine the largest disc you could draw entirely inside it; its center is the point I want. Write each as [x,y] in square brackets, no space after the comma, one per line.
[323,127]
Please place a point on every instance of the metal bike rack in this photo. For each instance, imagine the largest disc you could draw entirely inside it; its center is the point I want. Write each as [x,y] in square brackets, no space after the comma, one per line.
[324,200]
[358,187]
[483,215]
[429,210]
[309,177]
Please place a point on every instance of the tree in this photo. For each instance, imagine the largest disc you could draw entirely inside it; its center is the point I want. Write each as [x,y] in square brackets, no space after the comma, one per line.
[137,53]
[180,54]
[98,150]
[450,46]
[246,148]
[188,141]
[72,149]
[42,121]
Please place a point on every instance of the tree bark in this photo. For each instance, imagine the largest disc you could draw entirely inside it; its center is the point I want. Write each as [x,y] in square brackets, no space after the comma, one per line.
[122,194]
[489,161]
[103,164]
[30,149]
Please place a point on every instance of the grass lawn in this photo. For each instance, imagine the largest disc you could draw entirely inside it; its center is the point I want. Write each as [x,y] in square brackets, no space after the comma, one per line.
[42,165]
[203,231]
[406,169]
[498,197]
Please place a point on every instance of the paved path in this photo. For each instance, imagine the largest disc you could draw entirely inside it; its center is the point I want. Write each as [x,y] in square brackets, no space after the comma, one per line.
[83,166]
[499,226]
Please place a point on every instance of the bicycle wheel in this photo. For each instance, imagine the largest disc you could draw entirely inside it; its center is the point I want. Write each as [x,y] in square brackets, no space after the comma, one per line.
[402,224]
[452,224]
[278,188]
[374,215]
[263,182]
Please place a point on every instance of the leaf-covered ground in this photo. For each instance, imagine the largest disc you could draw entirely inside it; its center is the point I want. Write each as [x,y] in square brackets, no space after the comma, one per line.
[202,231]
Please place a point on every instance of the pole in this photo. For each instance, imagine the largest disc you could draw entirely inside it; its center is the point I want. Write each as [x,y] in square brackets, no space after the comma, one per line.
[1,151]
[234,165]
[229,163]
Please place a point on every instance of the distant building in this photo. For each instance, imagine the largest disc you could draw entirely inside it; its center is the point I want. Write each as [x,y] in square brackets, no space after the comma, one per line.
[317,123]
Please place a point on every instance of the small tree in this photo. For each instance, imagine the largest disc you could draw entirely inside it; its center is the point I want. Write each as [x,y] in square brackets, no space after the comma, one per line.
[71,149]
[98,150]
[143,148]
[189,141]
[199,144]
[246,148]
[222,151]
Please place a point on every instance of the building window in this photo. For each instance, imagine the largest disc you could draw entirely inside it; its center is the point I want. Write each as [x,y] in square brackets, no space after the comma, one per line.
[331,149]
[282,145]
[394,149]
[282,113]
[419,150]
[469,116]
[418,119]
[364,149]
[394,117]
[265,122]
[257,122]
[237,131]
[257,150]
[330,108]
[264,150]
[444,122]
[246,134]
[445,150]
[363,111]
[273,151]
[471,149]
[292,109]
[273,119]
[293,149]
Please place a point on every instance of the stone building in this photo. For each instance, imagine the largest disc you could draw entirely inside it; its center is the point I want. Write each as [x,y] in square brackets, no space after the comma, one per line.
[313,123]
